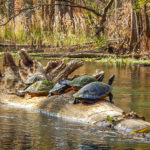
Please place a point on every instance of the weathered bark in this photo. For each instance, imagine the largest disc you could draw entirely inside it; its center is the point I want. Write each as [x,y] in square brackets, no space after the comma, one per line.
[15,76]
[11,75]
[50,66]
[69,68]
[29,67]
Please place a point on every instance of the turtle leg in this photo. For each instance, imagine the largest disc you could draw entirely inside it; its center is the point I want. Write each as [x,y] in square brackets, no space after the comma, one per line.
[76,101]
[50,94]
[26,87]
[110,97]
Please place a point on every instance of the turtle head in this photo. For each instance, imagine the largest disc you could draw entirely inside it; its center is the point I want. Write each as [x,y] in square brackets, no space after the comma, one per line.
[100,78]
[65,89]
[111,79]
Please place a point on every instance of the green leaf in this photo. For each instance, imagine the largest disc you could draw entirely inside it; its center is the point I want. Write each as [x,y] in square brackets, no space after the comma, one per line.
[108,118]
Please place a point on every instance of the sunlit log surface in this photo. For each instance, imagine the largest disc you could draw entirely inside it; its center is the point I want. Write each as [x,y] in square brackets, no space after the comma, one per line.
[92,114]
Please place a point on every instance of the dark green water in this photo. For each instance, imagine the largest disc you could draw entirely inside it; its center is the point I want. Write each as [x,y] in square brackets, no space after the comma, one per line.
[22,129]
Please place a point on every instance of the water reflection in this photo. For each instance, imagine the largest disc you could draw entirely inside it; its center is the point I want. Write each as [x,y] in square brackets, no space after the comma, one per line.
[22,130]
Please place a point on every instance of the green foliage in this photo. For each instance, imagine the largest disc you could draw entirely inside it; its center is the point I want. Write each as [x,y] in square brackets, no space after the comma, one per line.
[111,118]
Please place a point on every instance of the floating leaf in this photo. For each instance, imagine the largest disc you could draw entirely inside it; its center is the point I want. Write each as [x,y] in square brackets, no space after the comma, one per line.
[147,129]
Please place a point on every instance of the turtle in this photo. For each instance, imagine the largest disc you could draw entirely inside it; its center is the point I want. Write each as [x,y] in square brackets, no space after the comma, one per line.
[60,88]
[94,91]
[33,79]
[39,88]
[80,81]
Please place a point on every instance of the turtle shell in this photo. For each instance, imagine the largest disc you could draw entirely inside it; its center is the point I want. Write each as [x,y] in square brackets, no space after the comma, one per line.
[81,81]
[39,88]
[94,90]
[59,85]
[33,79]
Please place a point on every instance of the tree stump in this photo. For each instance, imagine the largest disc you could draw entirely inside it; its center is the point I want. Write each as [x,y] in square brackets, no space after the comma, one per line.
[14,76]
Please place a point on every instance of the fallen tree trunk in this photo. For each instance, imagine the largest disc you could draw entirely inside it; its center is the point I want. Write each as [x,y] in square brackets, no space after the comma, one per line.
[88,55]
[93,114]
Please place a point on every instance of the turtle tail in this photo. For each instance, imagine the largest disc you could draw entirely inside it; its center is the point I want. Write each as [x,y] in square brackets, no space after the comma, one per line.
[111,79]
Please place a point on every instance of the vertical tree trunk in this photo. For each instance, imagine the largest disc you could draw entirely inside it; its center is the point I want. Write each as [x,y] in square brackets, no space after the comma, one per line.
[51,14]
[117,6]
[147,22]
[139,26]
[61,10]
[134,26]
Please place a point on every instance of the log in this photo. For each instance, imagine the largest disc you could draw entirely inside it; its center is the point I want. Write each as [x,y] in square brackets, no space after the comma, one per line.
[69,68]
[15,76]
[29,67]
[93,114]
[11,77]
[56,70]
[50,66]
[87,55]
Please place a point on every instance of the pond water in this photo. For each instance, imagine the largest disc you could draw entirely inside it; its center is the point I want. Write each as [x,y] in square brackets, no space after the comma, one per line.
[23,129]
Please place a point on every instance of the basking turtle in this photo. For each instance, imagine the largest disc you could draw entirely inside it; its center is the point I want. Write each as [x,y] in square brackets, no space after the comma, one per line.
[95,91]
[79,82]
[60,88]
[39,88]
[33,79]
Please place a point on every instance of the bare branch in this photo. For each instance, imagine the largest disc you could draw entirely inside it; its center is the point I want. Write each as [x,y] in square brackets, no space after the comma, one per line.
[105,10]
[39,5]
[20,11]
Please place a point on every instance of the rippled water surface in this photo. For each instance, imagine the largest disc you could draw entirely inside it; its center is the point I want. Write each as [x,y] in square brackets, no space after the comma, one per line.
[23,129]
